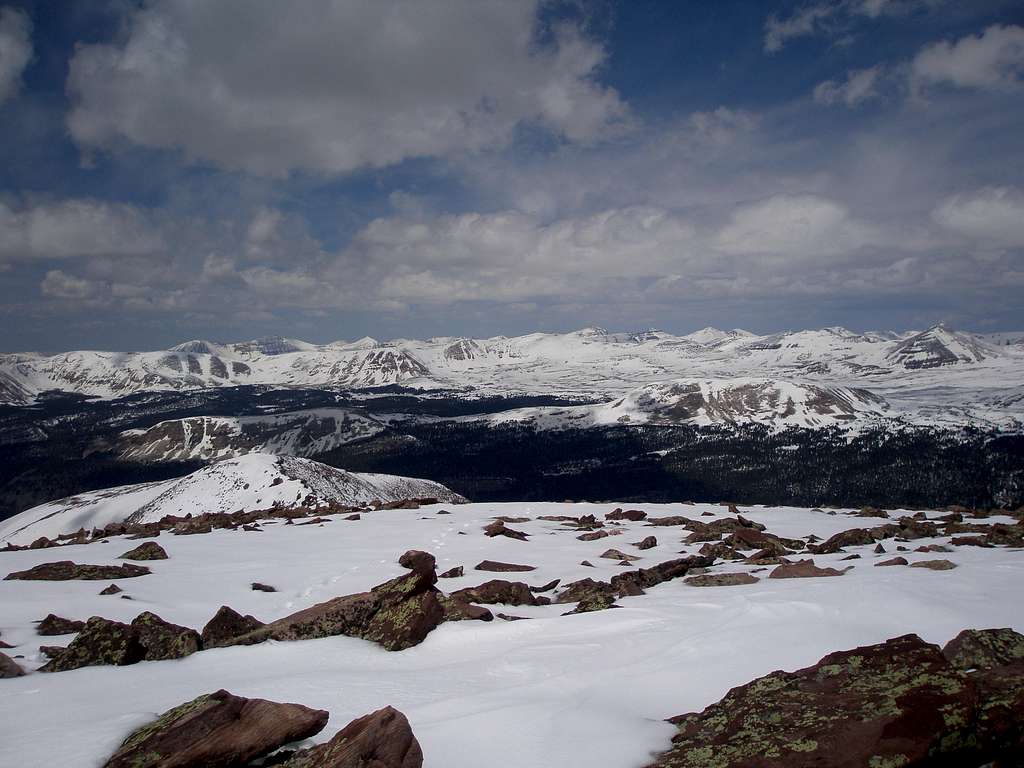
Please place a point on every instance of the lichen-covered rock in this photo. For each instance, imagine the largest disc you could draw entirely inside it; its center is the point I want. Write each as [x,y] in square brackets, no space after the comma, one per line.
[497,591]
[984,648]
[65,570]
[148,551]
[217,730]
[383,739]
[855,537]
[802,569]
[720,580]
[579,590]
[227,625]
[163,640]
[593,601]
[57,625]
[458,610]
[720,551]
[593,536]
[101,641]
[898,703]
[9,667]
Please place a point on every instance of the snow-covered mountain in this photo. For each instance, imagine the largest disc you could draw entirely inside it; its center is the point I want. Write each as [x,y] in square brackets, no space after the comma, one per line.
[296,433]
[253,481]
[950,373]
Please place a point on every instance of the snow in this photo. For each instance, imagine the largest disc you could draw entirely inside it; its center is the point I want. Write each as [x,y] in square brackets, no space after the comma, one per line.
[252,481]
[587,690]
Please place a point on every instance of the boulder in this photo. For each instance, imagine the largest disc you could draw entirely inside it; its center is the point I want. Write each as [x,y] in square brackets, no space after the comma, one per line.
[635,515]
[898,703]
[634,582]
[579,590]
[9,668]
[802,569]
[259,587]
[65,570]
[593,536]
[719,551]
[720,580]
[892,561]
[163,640]
[227,625]
[984,649]
[453,573]
[498,528]
[498,567]
[148,551]
[593,601]
[101,641]
[648,542]
[55,625]
[497,591]
[383,739]
[546,587]
[855,537]
[614,554]
[934,565]
[113,589]
[217,729]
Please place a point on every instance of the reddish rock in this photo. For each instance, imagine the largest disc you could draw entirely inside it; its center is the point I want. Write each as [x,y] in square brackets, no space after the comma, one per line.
[258,587]
[614,554]
[720,580]
[163,640]
[148,551]
[498,528]
[383,739]
[934,565]
[498,567]
[65,570]
[546,587]
[113,589]
[101,641]
[893,561]
[217,729]
[9,668]
[55,625]
[452,573]
[635,515]
[227,625]
[648,542]
[593,536]
[854,537]
[497,591]
[802,569]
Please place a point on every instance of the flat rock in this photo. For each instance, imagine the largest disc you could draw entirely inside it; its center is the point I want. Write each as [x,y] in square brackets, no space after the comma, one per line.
[497,591]
[498,528]
[148,551]
[934,565]
[892,561]
[217,729]
[720,580]
[546,587]
[259,587]
[65,570]
[802,569]
[383,739]
[614,554]
[499,567]
[593,536]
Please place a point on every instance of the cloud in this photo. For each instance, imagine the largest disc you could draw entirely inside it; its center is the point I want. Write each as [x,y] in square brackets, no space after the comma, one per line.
[60,285]
[993,215]
[15,50]
[75,228]
[334,86]
[992,60]
[858,87]
[806,21]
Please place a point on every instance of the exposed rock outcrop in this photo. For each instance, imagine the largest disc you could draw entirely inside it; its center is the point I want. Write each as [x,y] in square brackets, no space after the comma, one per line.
[65,570]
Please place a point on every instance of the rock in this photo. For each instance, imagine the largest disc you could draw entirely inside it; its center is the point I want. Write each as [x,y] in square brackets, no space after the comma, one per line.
[634,582]
[984,649]
[497,567]
[749,538]
[382,739]
[9,668]
[163,640]
[766,557]
[498,528]
[648,542]
[148,551]
[578,590]
[546,587]
[55,625]
[227,625]
[217,729]
[509,617]
[879,549]
[497,591]
[871,512]
[934,565]
[355,516]
[587,563]
[720,551]
[459,610]
[614,554]
[397,614]
[720,580]
[452,573]
[192,527]
[933,548]
[850,557]
[898,703]
[635,515]
[970,541]
[52,651]
[113,589]
[892,561]
[101,641]
[594,536]
[802,569]
[65,570]
[508,519]
[854,537]
[593,601]
[258,587]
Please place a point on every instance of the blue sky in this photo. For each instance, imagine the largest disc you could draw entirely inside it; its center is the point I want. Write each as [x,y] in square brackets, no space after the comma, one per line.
[327,170]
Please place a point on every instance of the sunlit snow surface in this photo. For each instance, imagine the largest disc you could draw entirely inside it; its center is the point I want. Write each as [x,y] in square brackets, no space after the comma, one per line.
[586,690]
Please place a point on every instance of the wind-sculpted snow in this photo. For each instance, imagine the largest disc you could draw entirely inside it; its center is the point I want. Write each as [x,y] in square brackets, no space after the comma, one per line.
[253,481]
[935,377]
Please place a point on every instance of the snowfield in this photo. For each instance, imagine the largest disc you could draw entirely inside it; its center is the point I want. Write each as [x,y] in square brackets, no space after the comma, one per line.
[589,690]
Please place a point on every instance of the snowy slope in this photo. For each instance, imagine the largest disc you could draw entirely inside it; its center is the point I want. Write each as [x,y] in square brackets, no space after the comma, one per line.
[296,433]
[583,691]
[253,481]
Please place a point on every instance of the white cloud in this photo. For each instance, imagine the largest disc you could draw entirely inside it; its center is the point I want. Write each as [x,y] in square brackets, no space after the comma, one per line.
[992,60]
[806,21]
[858,87]
[331,86]
[75,228]
[991,215]
[60,285]
[15,50]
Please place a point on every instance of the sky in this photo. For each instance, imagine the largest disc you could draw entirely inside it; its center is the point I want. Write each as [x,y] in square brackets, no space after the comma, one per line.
[329,169]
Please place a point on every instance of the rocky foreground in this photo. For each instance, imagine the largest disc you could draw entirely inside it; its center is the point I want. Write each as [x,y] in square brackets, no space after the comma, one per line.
[585,628]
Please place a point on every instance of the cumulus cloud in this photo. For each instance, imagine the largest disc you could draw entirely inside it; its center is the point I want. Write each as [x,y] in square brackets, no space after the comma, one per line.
[858,87]
[15,50]
[75,228]
[992,60]
[333,86]
[991,215]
